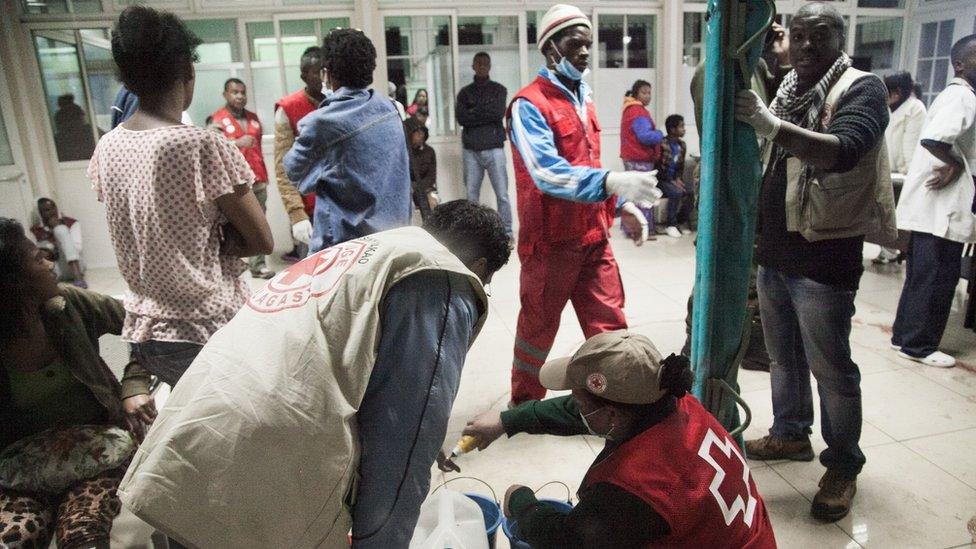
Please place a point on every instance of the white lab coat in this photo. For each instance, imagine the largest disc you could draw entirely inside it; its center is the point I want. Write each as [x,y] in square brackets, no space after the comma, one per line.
[902,134]
[947,212]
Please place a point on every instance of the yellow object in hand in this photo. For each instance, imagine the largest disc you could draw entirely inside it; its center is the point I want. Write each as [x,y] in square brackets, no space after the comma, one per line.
[465,445]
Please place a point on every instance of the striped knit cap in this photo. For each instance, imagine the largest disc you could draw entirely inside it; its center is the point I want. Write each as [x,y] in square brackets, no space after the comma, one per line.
[558,18]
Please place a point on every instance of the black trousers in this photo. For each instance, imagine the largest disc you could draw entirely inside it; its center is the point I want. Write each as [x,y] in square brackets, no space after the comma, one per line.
[926,299]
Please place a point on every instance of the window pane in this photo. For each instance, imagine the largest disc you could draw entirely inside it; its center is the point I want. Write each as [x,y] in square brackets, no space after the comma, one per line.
[65,95]
[102,83]
[62,6]
[419,57]
[924,75]
[694,39]
[499,37]
[220,43]
[945,37]
[536,59]
[611,46]
[263,94]
[878,41]
[6,156]
[208,93]
[639,41]
[940,75]
[296,37]
[881,3]
[926,43]
[261,40]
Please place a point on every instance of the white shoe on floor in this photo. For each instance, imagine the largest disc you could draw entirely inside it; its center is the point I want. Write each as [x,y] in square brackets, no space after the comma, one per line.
[895,347]
[937,359]
[673,232]
[684,230]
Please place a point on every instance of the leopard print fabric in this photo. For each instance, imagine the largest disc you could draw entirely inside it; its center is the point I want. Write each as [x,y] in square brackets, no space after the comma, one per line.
[81,515]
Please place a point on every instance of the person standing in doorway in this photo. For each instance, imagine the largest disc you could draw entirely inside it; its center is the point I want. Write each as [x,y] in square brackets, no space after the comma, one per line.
[480,110]
[902,136]
[824,130]
[242,128]
[566,202]
[937,207]
[420,100]
[640,140]
[351,152]
[289,111]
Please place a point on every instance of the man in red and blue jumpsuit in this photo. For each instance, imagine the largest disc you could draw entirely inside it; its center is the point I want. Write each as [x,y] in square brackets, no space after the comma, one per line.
[243,128]
[566,202]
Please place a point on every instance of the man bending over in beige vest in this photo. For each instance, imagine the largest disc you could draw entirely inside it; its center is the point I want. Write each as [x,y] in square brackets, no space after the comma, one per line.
[825,188]
[322,405]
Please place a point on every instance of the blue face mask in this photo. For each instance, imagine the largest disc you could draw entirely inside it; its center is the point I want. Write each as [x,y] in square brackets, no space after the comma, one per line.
[567,69]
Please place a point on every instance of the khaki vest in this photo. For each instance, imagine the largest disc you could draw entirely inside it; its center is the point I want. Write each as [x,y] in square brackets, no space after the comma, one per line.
[257,445]
[823,206]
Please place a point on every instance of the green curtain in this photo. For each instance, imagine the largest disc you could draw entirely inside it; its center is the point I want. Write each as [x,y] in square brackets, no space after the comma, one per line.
[730,172]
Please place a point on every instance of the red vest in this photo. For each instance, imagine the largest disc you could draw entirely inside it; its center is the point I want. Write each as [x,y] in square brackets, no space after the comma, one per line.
[296,106]
[630,147]
[232,130]
[546,222]
[692,473]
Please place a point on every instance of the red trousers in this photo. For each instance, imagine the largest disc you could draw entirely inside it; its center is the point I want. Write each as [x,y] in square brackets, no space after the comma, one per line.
[586,275]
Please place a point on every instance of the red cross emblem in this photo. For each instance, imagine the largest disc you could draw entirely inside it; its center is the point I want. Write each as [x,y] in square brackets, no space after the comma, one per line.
[314,276]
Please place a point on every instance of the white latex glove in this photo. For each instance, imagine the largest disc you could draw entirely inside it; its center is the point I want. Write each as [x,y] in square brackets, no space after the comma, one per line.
[632,209]
[749,108]
[302,231]
[634,186]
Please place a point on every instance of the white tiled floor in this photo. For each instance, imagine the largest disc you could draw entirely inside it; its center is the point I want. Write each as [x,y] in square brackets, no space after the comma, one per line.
[918,488]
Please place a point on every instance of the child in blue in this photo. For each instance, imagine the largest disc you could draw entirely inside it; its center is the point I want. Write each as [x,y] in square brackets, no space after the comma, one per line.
[670,170]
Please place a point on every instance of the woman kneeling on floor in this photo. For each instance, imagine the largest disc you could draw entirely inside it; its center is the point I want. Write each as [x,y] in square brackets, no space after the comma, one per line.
[669,474]
[66,423]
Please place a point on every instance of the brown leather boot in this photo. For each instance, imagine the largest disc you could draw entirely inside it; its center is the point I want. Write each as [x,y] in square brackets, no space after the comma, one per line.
[833,501]
[770,447]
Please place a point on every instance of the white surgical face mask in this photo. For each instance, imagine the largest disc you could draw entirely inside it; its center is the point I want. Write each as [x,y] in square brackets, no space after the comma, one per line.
[326,90]
[567,69]
[590,429]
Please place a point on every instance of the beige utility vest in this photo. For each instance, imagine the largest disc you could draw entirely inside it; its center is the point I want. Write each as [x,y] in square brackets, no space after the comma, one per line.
[257,444]
[821,205]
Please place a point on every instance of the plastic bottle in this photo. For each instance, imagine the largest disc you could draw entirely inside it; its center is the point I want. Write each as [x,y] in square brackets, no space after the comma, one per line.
[465,445]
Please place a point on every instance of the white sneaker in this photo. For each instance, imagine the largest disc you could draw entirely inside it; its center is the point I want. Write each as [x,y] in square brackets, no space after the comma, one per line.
[684,230]
[673,232]
[937,359]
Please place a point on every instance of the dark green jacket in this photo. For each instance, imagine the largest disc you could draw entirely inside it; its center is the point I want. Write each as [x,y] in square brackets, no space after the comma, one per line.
[74,321]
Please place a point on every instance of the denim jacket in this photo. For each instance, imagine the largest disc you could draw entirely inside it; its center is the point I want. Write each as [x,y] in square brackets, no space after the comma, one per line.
[352,154]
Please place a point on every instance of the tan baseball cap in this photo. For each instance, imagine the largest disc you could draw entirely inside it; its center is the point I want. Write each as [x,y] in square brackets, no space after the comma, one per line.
[619,366]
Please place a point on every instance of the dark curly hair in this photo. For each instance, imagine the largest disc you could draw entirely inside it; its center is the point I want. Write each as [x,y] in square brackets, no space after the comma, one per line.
[13,285]
[673,121]
[153,50]
[350,57]
[471,231]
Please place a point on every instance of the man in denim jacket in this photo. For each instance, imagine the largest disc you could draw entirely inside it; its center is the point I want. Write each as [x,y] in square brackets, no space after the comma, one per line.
[351,151]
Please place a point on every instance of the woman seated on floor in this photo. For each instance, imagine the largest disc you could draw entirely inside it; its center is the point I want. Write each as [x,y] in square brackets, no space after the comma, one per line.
[669,475]
[66,423]
[59,238]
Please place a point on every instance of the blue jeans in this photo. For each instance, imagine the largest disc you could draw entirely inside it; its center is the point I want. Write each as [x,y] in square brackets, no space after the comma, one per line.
[926,299]
[680,202]
[807,327]
[167,360]
[492,161]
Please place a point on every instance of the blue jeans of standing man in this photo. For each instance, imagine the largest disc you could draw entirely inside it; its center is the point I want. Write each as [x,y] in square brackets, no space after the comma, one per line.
[807,327]
[931,277]
[492,161]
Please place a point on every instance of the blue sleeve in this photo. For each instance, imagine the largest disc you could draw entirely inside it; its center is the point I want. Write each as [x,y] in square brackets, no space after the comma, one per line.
[427,323]
[303,155]
[552,174]
[644,130]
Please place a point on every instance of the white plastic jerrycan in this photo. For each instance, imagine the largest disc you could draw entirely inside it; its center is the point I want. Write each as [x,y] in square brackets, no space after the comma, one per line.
[449,520]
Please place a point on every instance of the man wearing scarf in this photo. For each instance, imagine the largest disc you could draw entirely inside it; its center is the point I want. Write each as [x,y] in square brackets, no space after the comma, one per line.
[825,188]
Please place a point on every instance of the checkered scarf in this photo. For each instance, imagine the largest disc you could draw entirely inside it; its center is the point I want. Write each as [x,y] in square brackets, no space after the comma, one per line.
[805,110]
